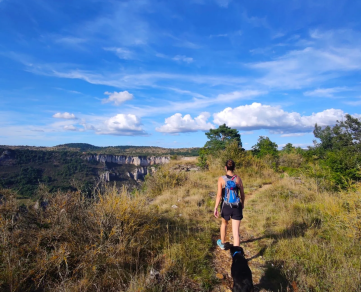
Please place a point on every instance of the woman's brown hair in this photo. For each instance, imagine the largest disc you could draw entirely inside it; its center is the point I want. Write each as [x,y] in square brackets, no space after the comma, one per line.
[230,165]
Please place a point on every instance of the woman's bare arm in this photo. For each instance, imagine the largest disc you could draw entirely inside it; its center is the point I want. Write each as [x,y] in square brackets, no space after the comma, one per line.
[219,196]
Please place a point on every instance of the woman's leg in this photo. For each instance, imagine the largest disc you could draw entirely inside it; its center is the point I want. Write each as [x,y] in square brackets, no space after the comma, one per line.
[223,230]
[235,230]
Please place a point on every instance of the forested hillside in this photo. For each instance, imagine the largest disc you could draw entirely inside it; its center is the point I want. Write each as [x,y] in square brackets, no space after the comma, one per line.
[23,168]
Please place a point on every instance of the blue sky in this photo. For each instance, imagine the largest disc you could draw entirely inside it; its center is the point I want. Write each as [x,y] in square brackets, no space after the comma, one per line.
[161,73]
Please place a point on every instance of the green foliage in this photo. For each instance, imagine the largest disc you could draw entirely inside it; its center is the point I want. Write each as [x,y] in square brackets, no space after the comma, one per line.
[202,158]
[218,138]
[234,152]
[288,148]
[174,157]
[344,134]
[127,150]
[265,147]
[339,150]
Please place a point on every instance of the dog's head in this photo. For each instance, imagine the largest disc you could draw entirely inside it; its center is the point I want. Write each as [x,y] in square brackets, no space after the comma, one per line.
[236,250]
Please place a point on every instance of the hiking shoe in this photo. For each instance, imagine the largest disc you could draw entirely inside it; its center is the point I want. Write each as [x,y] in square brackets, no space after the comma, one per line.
[220,244]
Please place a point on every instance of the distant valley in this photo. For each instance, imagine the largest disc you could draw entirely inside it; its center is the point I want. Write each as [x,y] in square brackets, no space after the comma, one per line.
[80,166]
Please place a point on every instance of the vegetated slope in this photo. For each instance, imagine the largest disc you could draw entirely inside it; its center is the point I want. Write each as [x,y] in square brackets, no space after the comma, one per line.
[310,238]
[62,167]
[129,150]
[23,170]
[160,238]
[115,242]
[157,239]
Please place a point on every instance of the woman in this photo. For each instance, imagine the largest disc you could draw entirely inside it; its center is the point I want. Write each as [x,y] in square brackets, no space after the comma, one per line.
[227,211]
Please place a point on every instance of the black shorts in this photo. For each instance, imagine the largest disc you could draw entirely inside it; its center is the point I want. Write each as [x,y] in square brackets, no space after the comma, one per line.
[228,212]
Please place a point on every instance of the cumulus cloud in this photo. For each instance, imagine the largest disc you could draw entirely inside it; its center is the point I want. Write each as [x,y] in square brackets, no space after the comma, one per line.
[183,59]
[66,115]
[257,116]
[122,125]
[117,97]
[179,124]
[325,92]
[70,128]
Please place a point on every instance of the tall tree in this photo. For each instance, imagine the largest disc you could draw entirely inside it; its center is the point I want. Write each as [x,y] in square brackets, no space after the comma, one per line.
[218,138]
[339,148]
[265,146]
[288,148]
[345,133]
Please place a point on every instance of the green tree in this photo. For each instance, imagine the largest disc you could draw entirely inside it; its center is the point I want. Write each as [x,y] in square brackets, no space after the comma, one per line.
[345,133]
[265,146]
[219,138]
[288,148]
[339,150]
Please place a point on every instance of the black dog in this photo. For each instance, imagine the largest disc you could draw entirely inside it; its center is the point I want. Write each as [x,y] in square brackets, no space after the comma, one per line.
[240,271]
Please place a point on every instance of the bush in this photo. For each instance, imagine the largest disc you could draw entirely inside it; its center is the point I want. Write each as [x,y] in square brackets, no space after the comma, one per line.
[163,179]
[293,160]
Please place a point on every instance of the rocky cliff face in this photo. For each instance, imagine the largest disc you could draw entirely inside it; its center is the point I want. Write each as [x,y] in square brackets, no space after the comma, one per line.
[122,159]
[138,174]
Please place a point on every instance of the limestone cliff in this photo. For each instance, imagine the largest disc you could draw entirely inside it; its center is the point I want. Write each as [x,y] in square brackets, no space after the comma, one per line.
[138,174]
[134,160]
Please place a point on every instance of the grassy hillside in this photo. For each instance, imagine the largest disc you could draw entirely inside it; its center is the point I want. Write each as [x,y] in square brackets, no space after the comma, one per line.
[116,240]
[160,238]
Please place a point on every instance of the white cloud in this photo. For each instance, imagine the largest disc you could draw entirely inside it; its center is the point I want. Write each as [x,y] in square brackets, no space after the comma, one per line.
[65,115]
[70,128]
[121,53]
[179,124]
[183,59]
[325,92]
[257,116]
[199,102]
[117,97]
[354,102]
[326,56]
[293,135]
[122,125]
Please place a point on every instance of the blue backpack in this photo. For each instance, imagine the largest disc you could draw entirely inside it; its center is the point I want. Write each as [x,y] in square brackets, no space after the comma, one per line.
[231,197]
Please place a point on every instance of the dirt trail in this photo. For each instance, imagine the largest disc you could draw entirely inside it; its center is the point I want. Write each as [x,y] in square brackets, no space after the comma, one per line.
[222,259]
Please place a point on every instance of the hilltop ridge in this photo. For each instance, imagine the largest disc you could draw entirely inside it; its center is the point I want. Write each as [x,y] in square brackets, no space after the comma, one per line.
[114,150]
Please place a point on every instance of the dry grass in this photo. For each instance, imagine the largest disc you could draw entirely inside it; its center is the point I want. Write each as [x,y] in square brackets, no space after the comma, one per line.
[112,242]
[311,237]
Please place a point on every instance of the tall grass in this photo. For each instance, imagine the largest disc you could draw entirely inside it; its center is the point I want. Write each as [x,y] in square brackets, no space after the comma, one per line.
[112,242]
[311,235]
